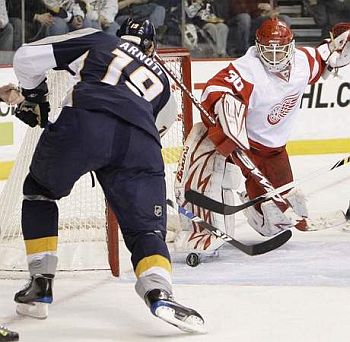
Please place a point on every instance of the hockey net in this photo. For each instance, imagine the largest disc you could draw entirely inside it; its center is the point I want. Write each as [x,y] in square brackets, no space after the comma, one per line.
[85,222]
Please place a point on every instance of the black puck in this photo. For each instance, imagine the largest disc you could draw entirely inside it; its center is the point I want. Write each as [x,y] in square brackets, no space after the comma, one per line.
[193,260]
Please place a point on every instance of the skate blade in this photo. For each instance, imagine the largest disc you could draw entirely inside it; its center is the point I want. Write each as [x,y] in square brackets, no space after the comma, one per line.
[35,309]
[192,324]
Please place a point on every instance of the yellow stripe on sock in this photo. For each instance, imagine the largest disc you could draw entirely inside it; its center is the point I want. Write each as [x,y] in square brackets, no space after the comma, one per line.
[46,244]
[152,261]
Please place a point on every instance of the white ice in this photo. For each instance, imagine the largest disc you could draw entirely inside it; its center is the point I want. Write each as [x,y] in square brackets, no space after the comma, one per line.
[298,293]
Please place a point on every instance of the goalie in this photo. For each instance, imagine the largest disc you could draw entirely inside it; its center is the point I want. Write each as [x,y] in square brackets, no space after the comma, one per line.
[255,99]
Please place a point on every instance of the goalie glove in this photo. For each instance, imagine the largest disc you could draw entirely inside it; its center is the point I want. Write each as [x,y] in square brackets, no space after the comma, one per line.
[336,51]
[34,110]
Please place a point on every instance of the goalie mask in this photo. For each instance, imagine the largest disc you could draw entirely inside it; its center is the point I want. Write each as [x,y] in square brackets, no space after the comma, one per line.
[275,44]
[140,32]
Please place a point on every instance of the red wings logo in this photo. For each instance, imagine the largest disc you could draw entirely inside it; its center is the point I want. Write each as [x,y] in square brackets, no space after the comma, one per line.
[280,110]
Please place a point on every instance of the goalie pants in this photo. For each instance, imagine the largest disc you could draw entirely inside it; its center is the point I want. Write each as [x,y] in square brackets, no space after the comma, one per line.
[128,165]
[273,163]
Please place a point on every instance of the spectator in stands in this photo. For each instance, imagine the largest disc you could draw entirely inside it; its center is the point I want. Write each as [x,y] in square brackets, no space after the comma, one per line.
[14,14]
[47,17]
[6,29]
[246,17]
[327,13]
[173,17]
[64,16]
[101,15]
[141,10]
[32,7]
[203,13]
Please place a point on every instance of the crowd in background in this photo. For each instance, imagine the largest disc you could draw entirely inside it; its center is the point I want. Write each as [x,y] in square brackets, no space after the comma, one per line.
[225,27]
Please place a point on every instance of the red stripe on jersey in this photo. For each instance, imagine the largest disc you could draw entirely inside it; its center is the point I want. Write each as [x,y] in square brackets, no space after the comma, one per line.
[226,80]
[314,62]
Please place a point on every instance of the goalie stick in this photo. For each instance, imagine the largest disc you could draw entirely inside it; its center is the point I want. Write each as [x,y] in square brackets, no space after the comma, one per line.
[225,209]
[255,249]
[240,157]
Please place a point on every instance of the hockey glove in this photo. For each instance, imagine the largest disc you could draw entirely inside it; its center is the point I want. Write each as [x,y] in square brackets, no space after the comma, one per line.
[34,110]
[33,114]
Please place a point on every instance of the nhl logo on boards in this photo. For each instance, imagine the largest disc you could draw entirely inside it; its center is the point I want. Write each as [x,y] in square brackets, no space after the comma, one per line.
[158,210]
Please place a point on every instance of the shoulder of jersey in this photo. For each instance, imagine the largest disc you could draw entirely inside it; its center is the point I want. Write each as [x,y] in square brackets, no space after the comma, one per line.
[249,65]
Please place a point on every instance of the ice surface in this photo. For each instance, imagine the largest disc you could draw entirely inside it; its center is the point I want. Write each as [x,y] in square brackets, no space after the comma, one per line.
[298,293]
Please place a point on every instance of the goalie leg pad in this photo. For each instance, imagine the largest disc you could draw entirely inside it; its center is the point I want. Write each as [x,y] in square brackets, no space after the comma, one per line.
[322,221]
[272,221]
[297,200]
[203,169]
[230,182]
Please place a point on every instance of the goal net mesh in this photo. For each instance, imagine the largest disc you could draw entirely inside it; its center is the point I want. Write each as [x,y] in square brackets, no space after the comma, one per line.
[82,215]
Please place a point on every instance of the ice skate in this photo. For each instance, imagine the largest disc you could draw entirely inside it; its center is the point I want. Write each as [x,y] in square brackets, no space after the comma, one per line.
[36,295]
[8,335]
[163,306]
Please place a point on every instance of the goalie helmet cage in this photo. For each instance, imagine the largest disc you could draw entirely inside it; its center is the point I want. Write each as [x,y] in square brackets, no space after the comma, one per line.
[85,221]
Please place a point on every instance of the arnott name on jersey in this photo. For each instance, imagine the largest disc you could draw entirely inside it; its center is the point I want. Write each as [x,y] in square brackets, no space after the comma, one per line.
[135,52]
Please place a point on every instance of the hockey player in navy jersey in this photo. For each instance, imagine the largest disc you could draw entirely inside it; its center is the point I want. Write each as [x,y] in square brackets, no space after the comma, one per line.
[108,125]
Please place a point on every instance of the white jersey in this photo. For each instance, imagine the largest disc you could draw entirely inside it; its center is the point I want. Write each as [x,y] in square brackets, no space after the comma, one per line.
[272,100]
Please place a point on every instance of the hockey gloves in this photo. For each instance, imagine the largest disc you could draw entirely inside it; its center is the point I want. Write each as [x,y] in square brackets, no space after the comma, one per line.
[34,110]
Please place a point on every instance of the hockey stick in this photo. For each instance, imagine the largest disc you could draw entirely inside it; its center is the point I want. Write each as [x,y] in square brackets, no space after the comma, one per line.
[239,156]
[255,249]
[225,209]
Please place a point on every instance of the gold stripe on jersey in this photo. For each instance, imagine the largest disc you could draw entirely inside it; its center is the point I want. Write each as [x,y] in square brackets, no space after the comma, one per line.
[46,244]
[152,261]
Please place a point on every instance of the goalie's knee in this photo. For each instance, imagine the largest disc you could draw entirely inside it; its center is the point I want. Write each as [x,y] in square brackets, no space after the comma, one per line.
[267,223]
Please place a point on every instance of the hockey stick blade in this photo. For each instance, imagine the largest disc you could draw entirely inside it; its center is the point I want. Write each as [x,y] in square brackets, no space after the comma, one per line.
[225,209]
[254,249]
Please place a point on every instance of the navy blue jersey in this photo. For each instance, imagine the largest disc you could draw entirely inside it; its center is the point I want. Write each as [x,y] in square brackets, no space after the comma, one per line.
[116,77]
